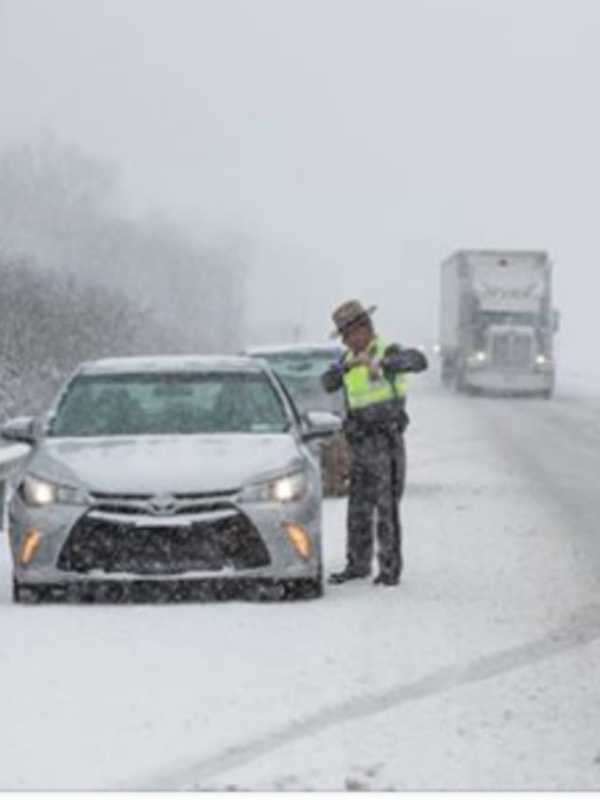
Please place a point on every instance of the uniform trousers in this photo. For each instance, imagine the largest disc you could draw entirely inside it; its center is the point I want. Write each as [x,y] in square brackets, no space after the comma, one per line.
[377,477]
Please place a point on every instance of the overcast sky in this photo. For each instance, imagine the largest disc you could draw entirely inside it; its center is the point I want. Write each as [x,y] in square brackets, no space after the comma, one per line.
[359,140]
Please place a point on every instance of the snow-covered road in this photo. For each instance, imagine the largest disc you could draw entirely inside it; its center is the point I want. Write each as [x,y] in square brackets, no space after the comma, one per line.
[478,672]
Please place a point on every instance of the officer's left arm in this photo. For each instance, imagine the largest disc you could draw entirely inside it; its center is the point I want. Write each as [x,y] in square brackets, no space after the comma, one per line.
[400,359]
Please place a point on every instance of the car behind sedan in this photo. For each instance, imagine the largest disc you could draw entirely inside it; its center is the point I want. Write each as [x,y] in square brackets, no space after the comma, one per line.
[300,367]
[174,473]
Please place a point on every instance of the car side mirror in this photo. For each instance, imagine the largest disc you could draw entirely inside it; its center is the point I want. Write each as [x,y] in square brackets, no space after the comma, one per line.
[22,429]
[319,425]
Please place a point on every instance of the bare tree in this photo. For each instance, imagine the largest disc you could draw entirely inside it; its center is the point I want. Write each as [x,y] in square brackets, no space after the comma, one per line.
[50,323]
[60,208]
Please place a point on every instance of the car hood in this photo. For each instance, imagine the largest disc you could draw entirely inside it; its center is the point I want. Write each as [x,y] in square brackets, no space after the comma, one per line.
[153,464]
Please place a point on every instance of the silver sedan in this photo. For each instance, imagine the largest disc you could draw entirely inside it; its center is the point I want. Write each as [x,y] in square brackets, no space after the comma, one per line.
[168,477]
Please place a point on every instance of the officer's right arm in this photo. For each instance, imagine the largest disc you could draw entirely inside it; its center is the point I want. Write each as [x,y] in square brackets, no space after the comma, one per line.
[332,379]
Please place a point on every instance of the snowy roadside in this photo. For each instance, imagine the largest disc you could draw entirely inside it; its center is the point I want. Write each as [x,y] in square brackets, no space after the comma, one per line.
[529,728]
[374,686]
[577,376]
[491,573]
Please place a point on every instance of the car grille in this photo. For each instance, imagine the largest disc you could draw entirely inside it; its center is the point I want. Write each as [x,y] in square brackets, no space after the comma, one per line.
[182,503]
[512,350]
[224,540]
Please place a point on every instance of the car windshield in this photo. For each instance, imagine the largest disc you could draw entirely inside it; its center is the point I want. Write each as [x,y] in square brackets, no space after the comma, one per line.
[163,403]
[301,372]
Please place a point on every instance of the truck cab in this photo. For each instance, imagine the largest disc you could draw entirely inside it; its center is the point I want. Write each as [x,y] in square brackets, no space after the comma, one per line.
[497,323]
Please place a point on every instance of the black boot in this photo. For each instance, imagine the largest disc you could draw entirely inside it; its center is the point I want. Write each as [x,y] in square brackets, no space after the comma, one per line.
[348,574]
[387,580]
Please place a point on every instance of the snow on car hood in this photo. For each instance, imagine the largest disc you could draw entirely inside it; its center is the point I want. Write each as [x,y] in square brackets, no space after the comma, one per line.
[152,464]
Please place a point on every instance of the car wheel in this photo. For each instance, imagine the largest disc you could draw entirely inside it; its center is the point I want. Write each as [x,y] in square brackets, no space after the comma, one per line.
[23,593]
[305,588]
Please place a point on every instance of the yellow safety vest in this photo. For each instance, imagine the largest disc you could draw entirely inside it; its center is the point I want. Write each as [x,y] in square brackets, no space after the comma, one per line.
[362,390]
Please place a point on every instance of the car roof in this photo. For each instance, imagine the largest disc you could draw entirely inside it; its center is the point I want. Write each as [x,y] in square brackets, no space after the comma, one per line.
[169,363]
[293,349]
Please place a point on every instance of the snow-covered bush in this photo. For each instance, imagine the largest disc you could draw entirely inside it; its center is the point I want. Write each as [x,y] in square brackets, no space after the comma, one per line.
[50,322]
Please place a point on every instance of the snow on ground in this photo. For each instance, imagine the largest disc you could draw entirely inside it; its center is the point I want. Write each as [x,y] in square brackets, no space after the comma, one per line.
[529,728]
[478,672]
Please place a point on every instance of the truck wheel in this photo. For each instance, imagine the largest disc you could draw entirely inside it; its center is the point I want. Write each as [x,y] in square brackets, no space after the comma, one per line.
[447,372]
[459,383]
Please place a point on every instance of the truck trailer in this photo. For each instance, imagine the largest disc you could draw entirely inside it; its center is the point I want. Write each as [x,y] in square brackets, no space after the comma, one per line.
[497,323]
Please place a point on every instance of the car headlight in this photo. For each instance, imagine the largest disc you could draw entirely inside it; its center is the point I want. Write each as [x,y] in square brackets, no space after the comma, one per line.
[280,490]
[38,492]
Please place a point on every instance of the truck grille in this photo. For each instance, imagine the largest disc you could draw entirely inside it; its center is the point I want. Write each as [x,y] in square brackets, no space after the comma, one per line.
[512,350]
[99,543]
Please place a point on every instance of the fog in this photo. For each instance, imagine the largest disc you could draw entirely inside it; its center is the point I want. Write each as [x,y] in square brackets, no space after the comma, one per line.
[347,146]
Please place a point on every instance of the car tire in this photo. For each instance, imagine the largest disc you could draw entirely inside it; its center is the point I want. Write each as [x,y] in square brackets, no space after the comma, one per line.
[16,591]
[308,589]
[25,593]
[305,588]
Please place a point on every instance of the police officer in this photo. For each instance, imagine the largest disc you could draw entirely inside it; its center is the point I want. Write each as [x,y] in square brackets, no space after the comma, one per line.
[372,375]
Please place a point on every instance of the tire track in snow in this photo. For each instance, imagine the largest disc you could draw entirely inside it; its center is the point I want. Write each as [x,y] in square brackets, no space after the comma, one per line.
[582,628]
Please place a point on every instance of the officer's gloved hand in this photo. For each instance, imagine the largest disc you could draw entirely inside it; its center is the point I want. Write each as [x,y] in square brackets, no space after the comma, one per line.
[398,362]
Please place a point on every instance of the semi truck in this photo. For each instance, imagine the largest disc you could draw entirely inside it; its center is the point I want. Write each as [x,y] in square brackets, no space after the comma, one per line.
[497,323]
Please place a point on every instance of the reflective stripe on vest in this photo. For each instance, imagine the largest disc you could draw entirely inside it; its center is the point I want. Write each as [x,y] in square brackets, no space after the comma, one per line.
[362,390]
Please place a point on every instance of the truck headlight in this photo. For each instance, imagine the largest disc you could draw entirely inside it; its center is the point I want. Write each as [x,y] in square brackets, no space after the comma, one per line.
[280,490]
[478,358]
[38,492]
[542,362]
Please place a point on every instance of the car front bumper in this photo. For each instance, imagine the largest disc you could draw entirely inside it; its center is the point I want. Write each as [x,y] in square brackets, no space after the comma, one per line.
[56,525]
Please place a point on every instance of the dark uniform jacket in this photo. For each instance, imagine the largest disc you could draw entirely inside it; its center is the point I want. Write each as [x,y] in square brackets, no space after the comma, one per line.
[378,417]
